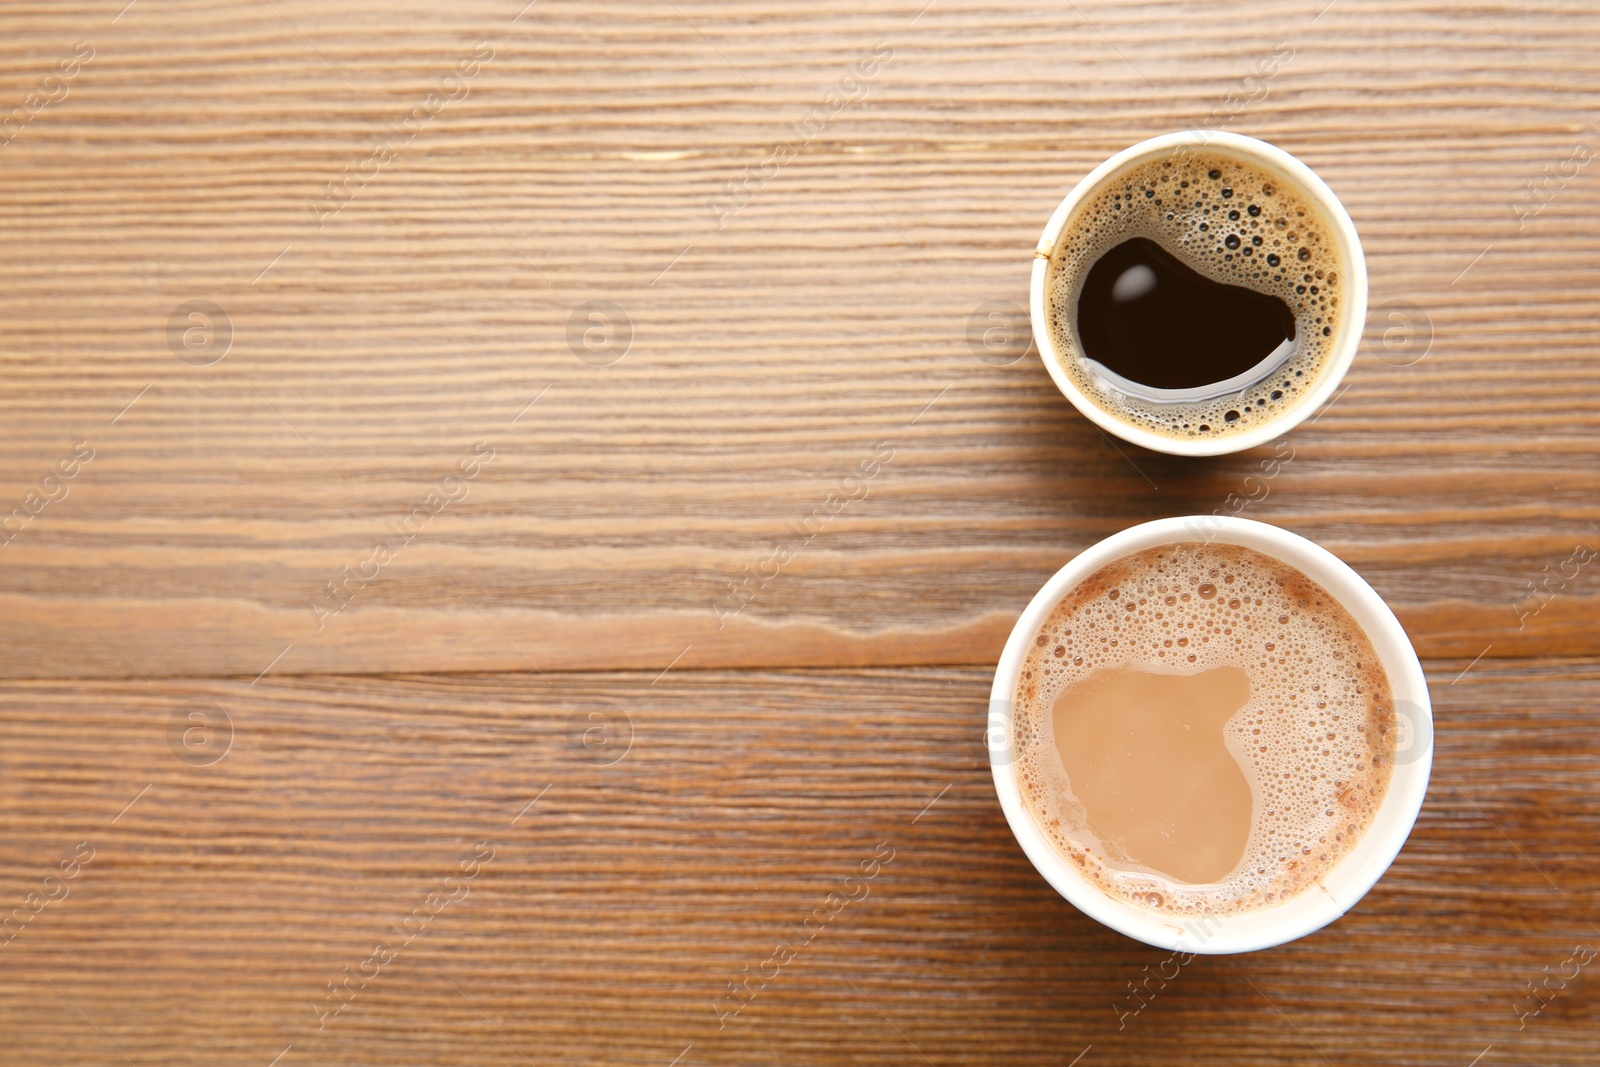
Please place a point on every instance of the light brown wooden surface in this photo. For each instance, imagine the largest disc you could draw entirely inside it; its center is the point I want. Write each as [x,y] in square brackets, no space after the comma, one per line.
[770,356]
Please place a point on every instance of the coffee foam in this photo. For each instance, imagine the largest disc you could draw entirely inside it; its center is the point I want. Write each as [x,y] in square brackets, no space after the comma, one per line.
[1287,249]
[1316,739]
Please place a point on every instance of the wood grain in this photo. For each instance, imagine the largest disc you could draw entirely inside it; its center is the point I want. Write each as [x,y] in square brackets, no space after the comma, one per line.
[771,352]
[616,909]
[768,360]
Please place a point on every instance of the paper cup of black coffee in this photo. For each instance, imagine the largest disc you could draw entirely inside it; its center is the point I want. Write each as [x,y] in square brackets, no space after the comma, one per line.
[1199,293]
[1210,734]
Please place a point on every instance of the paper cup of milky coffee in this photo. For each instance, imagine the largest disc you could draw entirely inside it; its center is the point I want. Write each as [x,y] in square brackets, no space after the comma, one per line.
[1351,876]
[1264,408]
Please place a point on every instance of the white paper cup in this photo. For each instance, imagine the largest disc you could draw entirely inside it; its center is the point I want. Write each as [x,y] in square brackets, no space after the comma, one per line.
[1347,882]
[1292,174]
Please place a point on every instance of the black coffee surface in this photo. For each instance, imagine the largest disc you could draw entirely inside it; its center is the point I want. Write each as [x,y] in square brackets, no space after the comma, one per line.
[1147,316]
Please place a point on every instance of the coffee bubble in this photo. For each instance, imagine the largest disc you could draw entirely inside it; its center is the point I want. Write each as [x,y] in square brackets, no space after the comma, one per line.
[1317,739]
[1233,222]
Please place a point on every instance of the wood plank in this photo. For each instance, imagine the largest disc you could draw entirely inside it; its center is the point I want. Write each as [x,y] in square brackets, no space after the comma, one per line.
[368,356]
[617,908]
[563,612]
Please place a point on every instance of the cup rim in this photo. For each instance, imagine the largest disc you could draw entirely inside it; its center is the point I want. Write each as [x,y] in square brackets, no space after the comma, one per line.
[1350,879]
[1260,152]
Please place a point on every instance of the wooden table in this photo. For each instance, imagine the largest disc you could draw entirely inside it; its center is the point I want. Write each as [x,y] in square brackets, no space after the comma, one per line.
[532,785]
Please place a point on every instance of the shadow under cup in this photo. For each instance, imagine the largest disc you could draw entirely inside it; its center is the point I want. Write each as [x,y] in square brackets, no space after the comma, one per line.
[1102,400]
[1356,873]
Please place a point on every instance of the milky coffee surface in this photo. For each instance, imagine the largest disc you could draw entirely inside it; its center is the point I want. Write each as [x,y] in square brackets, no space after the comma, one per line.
[1162,636]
